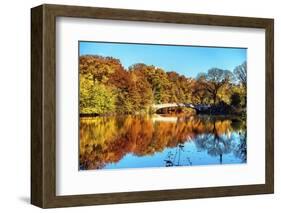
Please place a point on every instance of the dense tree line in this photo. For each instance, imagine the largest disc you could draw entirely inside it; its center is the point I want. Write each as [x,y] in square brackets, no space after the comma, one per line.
[107,87]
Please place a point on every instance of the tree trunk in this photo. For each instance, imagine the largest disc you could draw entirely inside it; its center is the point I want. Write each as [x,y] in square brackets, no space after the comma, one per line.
[215,98]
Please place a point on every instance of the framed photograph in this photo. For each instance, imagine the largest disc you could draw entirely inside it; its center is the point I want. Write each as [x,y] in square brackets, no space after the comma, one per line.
[135,106]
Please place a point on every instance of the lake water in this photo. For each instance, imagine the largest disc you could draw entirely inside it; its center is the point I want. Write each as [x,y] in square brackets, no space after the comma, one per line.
[160,141]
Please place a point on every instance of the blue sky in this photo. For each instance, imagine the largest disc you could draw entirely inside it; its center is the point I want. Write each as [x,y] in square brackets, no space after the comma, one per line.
[185,60]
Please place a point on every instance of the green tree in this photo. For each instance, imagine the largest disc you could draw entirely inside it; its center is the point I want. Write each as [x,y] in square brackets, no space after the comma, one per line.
[95,98]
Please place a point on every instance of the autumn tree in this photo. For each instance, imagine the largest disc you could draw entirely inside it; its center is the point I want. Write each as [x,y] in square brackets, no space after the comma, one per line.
[95,96]
[122,84]
[107,87]
[100,68]
[181,88]
[158,80]
[142,91]
[213,81]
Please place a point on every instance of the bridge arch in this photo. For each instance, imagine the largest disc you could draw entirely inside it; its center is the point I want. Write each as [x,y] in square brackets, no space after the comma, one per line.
[158,107]
[198,107]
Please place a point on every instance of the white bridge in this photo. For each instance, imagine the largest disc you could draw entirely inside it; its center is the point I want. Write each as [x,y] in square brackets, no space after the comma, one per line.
[197,107]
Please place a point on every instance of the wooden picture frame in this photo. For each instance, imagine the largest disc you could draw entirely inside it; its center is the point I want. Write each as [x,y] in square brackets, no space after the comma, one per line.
[43,105]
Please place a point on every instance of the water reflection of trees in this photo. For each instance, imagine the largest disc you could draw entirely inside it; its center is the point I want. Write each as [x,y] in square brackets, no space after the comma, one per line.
[106,140]
[216,143]
[240,150]
[227,136]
